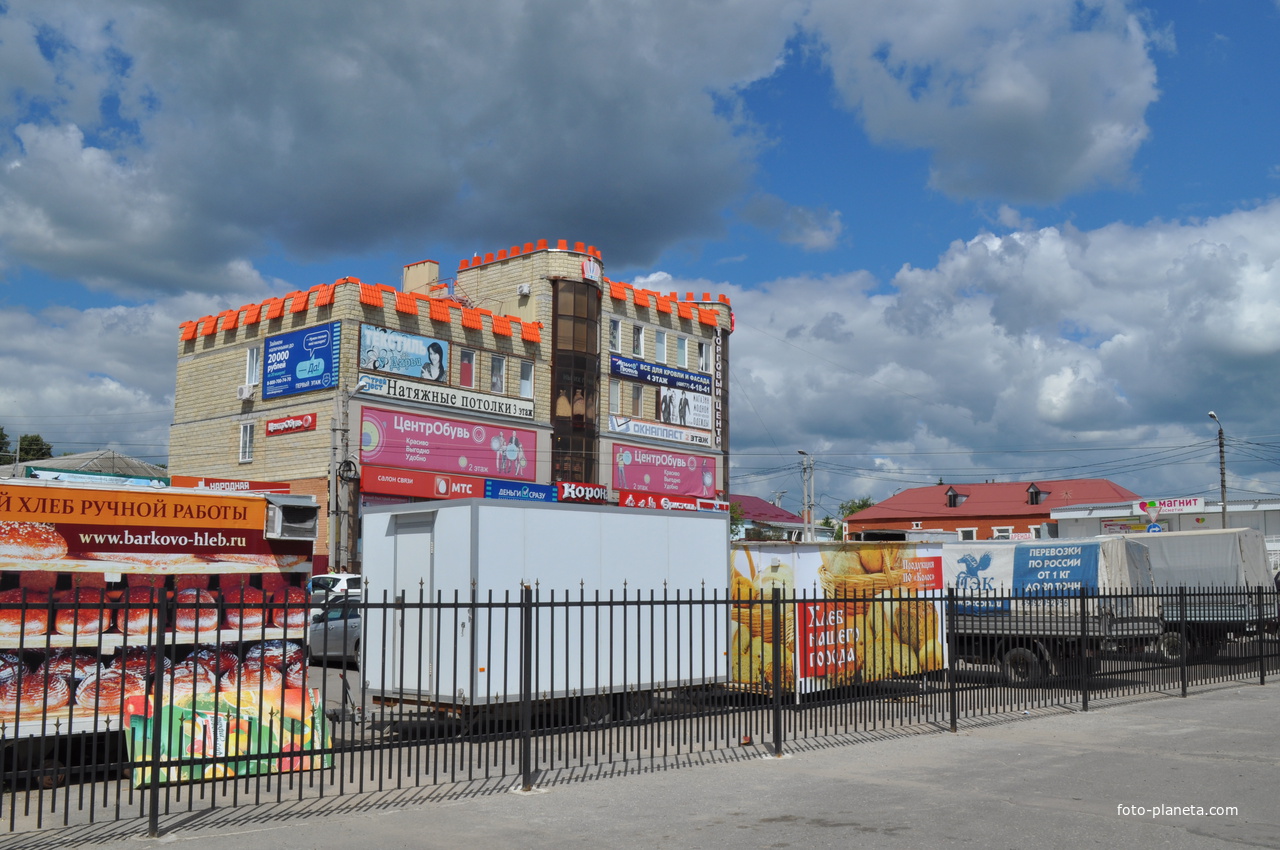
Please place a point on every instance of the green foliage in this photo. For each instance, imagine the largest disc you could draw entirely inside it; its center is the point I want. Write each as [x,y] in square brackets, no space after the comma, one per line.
[852,506]
[33,447]
[735,519]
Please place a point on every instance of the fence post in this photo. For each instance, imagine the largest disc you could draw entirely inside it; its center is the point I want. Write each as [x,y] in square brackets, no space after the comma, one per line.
[1182,632]
[153,817]
[1084,647]
[953,697]
[1262,658]
[526,687]
[776,607]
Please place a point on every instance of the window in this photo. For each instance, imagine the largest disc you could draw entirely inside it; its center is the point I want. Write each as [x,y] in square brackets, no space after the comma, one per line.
[246,442]
[1034,495]
[615,335]
[526,379]
[660,346]
[955,498]
[968,533]
[637,340]
[704,357]
[615,396]
[466,368]
[637,399]
[682,352]
[916,525]
[1035,531]
[498,374]
[1001,532]
[253,366]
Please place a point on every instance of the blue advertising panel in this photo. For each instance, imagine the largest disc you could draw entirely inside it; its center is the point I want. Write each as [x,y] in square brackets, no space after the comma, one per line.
[301,361]
[663,376]
[1055,569]
[496,488]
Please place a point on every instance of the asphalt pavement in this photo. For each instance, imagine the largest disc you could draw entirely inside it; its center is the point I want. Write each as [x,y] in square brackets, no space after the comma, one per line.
[1156,771]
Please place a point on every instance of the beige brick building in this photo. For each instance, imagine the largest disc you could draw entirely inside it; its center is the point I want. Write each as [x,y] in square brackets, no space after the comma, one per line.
[529,369]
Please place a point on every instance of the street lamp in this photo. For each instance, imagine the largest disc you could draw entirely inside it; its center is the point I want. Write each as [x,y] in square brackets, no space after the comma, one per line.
[1222,466]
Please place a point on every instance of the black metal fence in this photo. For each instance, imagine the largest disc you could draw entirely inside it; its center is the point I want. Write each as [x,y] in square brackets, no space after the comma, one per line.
[154,704]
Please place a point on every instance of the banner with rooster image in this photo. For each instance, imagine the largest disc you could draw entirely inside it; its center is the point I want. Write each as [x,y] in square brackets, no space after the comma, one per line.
[853,613]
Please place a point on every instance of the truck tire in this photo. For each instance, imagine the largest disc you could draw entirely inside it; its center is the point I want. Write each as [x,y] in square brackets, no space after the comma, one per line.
[1021,666]
[595,710]
[1170,646]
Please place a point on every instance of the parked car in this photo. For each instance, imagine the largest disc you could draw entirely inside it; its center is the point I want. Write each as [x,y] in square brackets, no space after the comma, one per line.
[324,587]
[336,631]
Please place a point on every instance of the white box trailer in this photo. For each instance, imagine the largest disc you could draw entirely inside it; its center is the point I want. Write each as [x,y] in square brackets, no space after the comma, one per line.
[1222,569]
[481,552]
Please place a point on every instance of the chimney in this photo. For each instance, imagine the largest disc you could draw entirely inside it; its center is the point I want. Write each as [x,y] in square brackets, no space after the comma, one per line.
[420,277]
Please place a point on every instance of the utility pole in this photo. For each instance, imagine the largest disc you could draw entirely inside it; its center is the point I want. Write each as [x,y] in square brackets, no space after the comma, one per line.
[1222,466]
[806,469]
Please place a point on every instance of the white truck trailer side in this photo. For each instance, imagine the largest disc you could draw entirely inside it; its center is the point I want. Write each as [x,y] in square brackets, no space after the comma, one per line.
[481,553]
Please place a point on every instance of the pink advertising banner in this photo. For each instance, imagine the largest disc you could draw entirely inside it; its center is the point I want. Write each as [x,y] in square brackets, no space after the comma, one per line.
[409,441]
[646,470]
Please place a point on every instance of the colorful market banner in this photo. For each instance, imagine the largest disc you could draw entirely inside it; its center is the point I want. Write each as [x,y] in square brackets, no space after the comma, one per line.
[249,733]
[410,441]
[649,470]
[853,613]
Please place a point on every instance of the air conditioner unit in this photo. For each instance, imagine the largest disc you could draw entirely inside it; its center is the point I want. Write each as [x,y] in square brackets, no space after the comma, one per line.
[244,392]
[524,289]
[291,517]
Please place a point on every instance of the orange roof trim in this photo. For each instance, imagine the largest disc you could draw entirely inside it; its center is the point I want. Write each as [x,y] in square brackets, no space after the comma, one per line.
[300,301]
[531,331]
[708,317]
[502,325]
[407,302]
[439,310]
[685,309]
[471,319]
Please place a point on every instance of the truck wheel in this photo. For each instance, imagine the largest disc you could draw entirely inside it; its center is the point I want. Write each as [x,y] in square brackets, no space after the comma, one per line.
[595,710]
[637,705]
[53,774]
[1169,646]
[1021,666]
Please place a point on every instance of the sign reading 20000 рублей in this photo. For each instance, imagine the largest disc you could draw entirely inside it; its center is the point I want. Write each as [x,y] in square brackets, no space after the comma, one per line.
[301,361]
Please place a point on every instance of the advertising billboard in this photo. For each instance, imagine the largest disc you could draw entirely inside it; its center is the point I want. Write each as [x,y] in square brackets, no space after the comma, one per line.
[663,376]
[302,360]
[446,396]
[684,408]
[412,441]
[647,470]
[853,612]
[410,355]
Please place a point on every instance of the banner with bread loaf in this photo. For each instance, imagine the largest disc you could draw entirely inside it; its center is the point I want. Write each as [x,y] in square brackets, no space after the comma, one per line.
[850,613]
[84,529]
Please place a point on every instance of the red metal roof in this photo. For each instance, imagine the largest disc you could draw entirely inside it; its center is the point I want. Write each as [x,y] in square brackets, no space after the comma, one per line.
[758,510]
[995,499]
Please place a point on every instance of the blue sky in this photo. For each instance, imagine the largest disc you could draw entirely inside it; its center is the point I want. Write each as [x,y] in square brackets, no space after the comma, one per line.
[977,240]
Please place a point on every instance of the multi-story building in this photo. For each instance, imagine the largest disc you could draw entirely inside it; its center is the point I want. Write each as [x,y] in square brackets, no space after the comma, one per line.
[528,373]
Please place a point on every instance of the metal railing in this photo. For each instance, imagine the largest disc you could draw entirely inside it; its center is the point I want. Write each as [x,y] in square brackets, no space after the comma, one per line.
[151,705]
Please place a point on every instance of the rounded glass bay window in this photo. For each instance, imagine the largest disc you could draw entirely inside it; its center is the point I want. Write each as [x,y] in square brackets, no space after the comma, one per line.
[575,381]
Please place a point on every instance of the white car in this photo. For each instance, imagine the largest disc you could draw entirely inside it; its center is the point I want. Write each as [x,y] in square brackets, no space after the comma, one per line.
[324,588]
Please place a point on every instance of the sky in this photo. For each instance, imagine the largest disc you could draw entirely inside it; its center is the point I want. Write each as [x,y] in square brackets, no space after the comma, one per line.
[965,241]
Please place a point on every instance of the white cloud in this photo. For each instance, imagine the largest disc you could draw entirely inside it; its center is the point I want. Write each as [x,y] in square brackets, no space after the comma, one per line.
[812,229]
[1119,336]
[1030,101]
